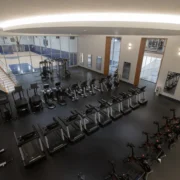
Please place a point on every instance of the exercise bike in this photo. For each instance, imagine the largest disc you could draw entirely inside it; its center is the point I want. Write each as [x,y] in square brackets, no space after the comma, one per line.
[153,147]
[142,161]
[113,174]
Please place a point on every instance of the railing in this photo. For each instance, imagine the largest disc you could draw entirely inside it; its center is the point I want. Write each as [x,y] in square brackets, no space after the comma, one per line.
[2,84]
[8,72]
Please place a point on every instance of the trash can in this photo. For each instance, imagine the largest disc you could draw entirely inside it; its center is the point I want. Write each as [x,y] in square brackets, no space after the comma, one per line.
[158,90]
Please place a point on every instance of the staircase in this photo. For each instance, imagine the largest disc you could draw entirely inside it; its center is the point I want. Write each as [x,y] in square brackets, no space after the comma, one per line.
[7,79]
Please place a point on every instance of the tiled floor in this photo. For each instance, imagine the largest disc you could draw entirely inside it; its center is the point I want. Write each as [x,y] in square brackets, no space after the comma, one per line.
[90,156]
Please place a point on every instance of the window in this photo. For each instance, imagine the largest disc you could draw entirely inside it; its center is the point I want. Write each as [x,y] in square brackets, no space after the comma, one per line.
[89,61]
[98,63]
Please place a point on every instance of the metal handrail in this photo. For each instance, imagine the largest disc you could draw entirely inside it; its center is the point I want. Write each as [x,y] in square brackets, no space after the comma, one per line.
[8,72]
[6,88]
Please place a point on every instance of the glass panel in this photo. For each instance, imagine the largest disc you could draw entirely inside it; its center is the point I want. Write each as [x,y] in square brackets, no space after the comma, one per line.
[71,59]
[24,42]
[72,49]
[64,47]
[35,63]
[45,43]
[55,46]
[75,58]
[89,60]
[25,64]
[35,47]
[98,63]
[10,49]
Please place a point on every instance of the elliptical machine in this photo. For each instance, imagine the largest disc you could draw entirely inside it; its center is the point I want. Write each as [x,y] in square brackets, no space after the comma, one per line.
[34,100]
[48,96]
[60,94]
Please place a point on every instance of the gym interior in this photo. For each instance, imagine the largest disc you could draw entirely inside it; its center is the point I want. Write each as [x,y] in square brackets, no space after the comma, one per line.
[89,92]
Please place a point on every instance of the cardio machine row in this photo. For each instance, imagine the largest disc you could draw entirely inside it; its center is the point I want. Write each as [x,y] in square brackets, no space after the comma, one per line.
[153,151]
[36,100]
[62,131]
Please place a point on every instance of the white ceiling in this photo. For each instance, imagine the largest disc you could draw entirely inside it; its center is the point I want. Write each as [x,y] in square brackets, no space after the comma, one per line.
[14,9]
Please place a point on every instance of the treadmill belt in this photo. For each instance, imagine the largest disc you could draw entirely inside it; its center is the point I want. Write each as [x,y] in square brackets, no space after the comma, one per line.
[73,132]
[31,150]
[55,139]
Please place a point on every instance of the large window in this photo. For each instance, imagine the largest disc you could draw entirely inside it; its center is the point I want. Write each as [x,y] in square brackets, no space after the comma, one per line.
[89,61]
[114,55]
[22,54]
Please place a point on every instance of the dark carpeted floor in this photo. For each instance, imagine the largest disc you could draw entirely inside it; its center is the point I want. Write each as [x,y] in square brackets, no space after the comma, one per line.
[91,155]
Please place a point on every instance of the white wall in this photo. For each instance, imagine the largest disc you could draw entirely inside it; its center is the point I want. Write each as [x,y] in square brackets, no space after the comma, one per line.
[171,62]
[94,45]
[129,55]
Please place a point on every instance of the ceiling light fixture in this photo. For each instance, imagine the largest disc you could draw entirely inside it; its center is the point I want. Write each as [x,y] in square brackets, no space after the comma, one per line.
[90,17]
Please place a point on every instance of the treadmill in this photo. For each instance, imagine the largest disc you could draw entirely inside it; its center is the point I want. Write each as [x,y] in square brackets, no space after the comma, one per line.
[30,147]
[115,108]
[73,131]
[141,94]
[89,120]
[125,105]
[53,136]
[134,98]
[103,113]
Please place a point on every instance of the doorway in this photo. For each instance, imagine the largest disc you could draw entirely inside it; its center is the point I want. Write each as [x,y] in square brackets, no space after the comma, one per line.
[153,55]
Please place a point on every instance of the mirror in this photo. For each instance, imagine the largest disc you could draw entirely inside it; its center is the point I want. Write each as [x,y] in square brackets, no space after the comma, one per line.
[171,82]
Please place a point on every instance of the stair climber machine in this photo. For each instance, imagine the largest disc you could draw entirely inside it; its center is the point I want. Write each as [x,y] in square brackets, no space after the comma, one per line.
[102,85]
[125,102]
[20,101]
[92,86]
[5,110]
[115,108]
[35,99]
[48,96]
[30,147]
[53,136]
[143,161]
[133,99]
[154,148]
[103,113]
[141,95]
[72,127]
[89,120]
[60,94]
